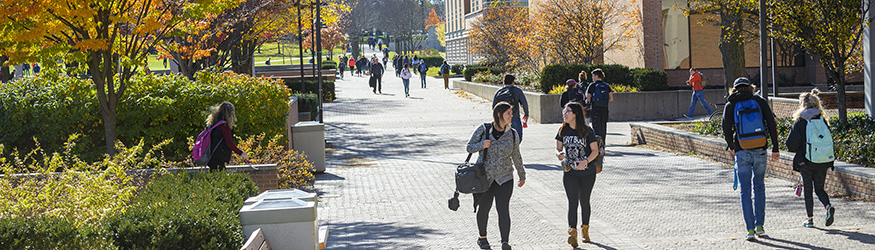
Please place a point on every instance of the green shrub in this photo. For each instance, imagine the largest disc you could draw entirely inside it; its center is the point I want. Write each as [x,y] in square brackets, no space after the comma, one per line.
[433,71]
[558,90]
[649,79]
[432,61]
[619,88]
[557,74]
[457,68]
[308,103]
[185,211]
[854,141]
[470,71]
[154,108]
[312,87]
[50,232]
[328,64]
[293,169]
[487,77]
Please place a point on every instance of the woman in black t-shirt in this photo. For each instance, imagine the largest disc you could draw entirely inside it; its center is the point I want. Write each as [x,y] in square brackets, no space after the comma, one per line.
[577,147]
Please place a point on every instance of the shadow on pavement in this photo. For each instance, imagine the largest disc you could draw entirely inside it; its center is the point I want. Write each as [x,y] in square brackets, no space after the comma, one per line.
[796,245]
[353,141]
[858,236]
[602,246]
[543,167]
[329,177]
[372,235]
[360,106]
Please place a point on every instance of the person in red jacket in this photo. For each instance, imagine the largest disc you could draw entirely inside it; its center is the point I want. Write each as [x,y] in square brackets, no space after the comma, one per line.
[698,92]
[222,142]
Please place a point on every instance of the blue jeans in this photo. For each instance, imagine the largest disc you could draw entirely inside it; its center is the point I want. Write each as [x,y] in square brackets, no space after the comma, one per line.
[750,165]
[422,76]
[406,86]
[517,124]
[698,95]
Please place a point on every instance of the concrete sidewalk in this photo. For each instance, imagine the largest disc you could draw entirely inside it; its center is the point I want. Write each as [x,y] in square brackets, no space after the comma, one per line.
[392,159]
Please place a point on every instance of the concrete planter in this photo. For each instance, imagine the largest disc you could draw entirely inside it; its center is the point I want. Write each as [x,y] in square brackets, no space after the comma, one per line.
[848,179]
[631,106]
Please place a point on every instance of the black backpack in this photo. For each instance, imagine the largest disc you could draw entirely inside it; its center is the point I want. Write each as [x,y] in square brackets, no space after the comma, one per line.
[601,94]
[505,95]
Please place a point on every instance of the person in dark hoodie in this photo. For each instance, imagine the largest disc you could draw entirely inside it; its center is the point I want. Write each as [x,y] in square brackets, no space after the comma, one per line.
[810,108]
[750,163]
[572,94]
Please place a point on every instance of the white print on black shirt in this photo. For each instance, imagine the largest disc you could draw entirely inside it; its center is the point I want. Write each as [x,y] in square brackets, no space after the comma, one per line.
[575,148]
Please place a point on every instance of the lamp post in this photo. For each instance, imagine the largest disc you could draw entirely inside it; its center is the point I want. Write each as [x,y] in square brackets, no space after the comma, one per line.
[300,44]
[318,66]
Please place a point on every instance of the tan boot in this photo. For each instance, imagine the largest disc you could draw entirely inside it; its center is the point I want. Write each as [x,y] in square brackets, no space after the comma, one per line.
[584,231]
[572,237]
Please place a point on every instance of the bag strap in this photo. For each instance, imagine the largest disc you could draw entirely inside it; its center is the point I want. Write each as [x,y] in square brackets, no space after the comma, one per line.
[485,136]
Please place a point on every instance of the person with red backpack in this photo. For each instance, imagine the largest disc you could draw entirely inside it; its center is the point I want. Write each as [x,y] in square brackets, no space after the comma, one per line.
[748,123]
[222,143]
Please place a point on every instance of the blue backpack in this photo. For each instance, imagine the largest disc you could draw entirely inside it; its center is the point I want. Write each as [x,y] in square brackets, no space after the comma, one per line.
[819,144]
[601,94]
[749,124]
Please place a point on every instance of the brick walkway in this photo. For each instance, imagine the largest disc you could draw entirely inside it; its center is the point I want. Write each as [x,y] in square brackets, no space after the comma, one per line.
[390,173]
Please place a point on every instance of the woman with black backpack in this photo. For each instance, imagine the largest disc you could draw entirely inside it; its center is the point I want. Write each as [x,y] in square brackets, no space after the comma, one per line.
[812,170]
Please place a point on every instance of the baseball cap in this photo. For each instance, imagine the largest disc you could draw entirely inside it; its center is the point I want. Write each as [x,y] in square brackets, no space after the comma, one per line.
[571,82]
[741,81]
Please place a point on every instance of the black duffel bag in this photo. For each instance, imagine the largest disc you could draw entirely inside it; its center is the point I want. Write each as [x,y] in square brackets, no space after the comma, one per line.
[470,177]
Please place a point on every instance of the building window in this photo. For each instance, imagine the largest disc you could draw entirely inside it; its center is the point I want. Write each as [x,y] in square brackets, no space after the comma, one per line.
[676,29]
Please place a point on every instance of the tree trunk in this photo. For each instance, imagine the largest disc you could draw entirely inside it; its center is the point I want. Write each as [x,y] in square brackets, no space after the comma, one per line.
[839,77]
[732,49]
[106,96]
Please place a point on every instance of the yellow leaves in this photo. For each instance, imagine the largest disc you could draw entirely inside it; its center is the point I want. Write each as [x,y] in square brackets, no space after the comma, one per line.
[92,44]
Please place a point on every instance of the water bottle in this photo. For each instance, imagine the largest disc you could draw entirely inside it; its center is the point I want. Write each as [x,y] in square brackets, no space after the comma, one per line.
[525,122]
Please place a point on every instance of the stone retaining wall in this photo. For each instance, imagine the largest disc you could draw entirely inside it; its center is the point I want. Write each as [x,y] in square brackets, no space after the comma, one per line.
[848,179]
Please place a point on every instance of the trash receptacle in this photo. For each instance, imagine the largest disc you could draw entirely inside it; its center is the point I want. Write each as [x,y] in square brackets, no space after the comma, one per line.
[309,139]
[286,224]
[281,194]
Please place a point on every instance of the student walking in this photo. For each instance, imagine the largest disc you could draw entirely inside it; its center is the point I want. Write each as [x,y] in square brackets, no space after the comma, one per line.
[405,78]
[698,93]
[422,70]
[577,147]
[445,73]
[503,157]
[810,120]
[572,94]
[599,95]
[223,142]
[515,96]
[748,123]
[377,75]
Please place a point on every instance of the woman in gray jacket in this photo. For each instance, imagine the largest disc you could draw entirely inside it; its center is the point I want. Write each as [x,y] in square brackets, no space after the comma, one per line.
[503,155]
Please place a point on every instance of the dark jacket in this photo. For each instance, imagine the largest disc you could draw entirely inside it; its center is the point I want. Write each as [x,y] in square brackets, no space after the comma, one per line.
[796,141]
[571,95]
[729,120]
[377,69]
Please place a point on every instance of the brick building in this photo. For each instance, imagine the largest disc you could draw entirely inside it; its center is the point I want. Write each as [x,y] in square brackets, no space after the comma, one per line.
[665,39]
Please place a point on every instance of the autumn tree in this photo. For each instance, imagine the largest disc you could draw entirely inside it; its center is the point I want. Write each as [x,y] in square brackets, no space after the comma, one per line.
[831,30]
[736,22]
[110,37]
[573,31]
[504,36]
[358,18]
[401,19]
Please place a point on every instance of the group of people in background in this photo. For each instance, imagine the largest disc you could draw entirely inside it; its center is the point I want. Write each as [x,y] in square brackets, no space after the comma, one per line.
[585,112]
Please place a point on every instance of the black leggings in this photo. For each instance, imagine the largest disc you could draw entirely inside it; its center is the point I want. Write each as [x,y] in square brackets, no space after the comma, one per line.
[818,178]
[578,189]
[501,195]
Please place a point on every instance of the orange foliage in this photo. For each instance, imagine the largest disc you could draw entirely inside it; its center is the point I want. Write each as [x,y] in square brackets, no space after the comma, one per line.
[432,20]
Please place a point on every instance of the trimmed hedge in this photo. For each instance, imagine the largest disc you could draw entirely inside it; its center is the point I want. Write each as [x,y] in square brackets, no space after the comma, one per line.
[308,102]
[328,64]
[457,68]
[649,79]
[557,74]
[471,70]
[185,211]
[312,87]
[154,108]
[49,232]
[432,61]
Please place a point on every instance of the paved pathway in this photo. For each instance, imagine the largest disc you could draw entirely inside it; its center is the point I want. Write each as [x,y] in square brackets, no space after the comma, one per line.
[390,173]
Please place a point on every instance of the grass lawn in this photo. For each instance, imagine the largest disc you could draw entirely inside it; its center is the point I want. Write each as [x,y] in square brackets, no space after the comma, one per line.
[268,50]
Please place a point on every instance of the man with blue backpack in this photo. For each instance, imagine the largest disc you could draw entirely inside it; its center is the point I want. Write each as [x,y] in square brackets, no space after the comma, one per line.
[598,95]
[748,123]
[422,70]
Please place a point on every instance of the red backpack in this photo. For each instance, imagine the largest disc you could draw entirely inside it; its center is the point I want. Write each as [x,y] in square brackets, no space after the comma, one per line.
[201,151]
